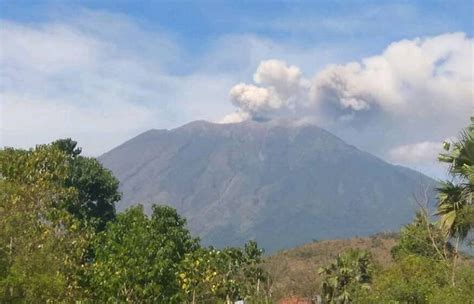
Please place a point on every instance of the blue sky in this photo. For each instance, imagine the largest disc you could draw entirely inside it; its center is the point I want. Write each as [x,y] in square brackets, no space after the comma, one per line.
[104,71]
[364,26]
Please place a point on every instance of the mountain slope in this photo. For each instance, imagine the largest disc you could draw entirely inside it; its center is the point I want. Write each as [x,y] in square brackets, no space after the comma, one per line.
[295,271]
[277,182]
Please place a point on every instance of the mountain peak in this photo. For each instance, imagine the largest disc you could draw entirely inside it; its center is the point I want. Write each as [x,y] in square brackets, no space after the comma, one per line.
[280,182]
[281,122]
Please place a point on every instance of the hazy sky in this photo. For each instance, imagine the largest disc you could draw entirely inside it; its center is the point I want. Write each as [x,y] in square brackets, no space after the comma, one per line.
[393,78]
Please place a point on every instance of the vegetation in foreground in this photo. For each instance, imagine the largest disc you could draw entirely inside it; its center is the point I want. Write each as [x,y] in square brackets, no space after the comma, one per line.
[294,272]
[61,241]
[427,265]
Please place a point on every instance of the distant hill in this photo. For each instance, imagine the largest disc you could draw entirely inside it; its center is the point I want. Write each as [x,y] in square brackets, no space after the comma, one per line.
[281,183]
[295,271]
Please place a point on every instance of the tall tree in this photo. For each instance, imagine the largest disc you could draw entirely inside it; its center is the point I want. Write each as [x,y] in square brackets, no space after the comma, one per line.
[230,274]
[422,238]
[456,197]
[41,244]
[350,271]
[137,258]
[97,187]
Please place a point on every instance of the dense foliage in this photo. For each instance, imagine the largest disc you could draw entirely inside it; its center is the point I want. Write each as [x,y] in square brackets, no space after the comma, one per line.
[422,238]
[97,188]
[456,197]
[136,257]
[427,267]
[42,245]
[61,240]
[349,272]
[212,275]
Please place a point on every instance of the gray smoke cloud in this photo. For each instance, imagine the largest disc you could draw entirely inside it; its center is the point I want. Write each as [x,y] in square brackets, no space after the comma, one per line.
[416,91]
[279,89]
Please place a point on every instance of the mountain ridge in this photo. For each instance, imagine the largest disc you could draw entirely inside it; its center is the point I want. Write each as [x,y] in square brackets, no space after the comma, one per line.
[263,180]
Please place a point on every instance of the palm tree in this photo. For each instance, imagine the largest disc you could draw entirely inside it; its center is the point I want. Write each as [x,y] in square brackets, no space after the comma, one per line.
[455,198]
[349,271]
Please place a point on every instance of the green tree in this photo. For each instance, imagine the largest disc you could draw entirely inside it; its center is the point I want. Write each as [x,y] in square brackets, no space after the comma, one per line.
[463,292]
[422,238]
[255,276]
[97,187]
[198,276]
[41,245]
[350,271]
[412,279]
[419,279]
[211,275]
[455,199]
[137,258]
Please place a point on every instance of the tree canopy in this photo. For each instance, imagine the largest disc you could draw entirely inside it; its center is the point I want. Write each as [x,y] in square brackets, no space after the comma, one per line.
[456,197]
[96,187]
[41,244]
[61,240]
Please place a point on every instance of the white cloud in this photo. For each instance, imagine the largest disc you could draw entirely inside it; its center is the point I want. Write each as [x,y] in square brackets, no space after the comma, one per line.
[42,121]
[418,153]
[101,78]
[276,73]
[409,77]
[416,90]
[59,80]
[48,49]
[98,78]
[91,60]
